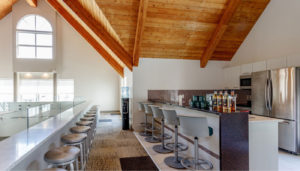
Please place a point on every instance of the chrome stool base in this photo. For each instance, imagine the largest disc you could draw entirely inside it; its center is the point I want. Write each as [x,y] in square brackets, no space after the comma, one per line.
[166,137]
[181,147]
[172,162]
[152,140]
[191,164]
[161,149]
[145,134]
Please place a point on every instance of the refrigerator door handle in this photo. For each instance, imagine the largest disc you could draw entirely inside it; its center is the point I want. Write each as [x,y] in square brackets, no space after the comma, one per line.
[267,94]
[270,94]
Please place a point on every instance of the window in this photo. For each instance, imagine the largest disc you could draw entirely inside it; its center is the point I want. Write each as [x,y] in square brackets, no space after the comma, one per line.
[65,90]
[35,87]
[6,90]
[34,38]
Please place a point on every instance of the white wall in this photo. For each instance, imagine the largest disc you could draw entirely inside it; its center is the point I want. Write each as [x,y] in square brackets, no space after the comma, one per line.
[172,74]
[6,66]
[276,34]
[94,78]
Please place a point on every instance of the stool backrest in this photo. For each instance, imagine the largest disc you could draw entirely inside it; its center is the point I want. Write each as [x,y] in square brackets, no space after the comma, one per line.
[157,112]
[194,126]
[141,107]
[147,108]
[170,117]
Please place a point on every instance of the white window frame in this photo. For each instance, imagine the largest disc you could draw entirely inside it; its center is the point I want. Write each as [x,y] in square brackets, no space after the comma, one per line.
[35,32]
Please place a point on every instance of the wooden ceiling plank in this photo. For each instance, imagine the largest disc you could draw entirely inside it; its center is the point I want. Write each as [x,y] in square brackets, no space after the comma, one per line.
[32,3]
[6,7]
[142,14]
[87,36]
[219,31]
[100,31]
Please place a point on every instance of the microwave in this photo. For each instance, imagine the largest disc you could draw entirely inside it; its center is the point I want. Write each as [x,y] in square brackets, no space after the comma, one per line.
[245,82]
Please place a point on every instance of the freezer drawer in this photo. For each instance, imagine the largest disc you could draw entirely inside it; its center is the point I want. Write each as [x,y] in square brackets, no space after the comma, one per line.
[287,135]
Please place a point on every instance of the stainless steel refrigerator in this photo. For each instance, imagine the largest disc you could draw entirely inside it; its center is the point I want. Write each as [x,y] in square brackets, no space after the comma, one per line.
[276,93]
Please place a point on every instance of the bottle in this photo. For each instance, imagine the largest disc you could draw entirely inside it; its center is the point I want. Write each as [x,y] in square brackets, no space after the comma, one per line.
[225,102]
[214,101]
[229,104]
[219,102]
[233,102]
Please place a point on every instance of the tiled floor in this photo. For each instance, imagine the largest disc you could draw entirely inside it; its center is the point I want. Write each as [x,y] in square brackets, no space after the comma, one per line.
[288,162]
[111,144]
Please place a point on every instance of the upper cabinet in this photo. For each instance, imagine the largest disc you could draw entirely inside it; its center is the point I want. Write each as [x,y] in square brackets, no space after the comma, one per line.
[276,63]
[246,69]
[232,77]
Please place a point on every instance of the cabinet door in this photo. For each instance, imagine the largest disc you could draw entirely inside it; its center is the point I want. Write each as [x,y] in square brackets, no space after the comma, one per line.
[226,78]
[259,66]
[276,63]
[246,69]
[235,77]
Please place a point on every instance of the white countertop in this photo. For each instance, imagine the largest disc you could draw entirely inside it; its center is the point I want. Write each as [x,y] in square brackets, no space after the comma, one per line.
[18,146]
[256,118]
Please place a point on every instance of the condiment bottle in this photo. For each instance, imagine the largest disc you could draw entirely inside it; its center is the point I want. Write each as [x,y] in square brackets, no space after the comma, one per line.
[215,101]
[225,102]
[219,102]
[233,102]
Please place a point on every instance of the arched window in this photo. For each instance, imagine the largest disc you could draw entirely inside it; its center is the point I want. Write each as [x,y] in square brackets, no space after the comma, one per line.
[34,38]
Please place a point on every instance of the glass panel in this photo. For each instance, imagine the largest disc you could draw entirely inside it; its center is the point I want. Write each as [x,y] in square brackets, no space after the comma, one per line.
[42,24]
[26,52]
[25,38]
[44,39]
[27,23]
[44,52]
[65,90]
[6,90]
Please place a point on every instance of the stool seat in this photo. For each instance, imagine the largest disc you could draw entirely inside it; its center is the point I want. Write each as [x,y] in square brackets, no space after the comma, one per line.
[73,138]
[90,115]
[87,119]
[91,112]
[62,154]
[54,169]
[80,129]
[84,123]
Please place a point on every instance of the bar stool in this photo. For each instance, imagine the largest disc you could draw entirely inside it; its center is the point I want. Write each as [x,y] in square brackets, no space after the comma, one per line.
[90,133]
[80,130]
[141,108]
[150,139]
[157,114]
[76,140]
[54,169]
[62,156]
[172,119]
[146,132]
[196,127]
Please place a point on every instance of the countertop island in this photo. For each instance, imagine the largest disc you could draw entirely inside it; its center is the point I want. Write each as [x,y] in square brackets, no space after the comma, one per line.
[239,142]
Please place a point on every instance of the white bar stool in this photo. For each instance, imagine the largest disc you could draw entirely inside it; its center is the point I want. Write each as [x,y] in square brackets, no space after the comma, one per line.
[146,125]
[171,118]
[150,139]
[158,114]
[196,127]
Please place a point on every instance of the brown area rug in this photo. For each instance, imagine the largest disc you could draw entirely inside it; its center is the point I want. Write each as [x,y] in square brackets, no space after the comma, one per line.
[137,163]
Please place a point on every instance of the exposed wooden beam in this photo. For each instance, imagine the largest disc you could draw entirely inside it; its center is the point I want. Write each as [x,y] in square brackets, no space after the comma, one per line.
[142,14]
[6,7]
[86,35]
[100,31]
[219,31]
[32,3]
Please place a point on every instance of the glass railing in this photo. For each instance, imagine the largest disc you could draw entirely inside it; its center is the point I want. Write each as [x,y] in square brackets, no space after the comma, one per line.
[18,116]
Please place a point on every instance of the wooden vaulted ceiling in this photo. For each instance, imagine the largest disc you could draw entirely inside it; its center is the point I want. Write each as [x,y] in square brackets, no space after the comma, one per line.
[184,29]
[123,31]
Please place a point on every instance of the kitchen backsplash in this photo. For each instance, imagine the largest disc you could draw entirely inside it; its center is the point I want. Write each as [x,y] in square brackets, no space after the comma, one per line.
[171,96]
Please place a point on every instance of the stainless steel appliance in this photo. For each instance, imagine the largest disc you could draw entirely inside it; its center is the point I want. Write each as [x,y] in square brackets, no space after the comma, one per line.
[245,82]
[276,93]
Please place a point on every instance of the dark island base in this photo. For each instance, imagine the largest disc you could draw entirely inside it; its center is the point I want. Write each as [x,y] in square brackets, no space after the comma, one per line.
[234,142]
